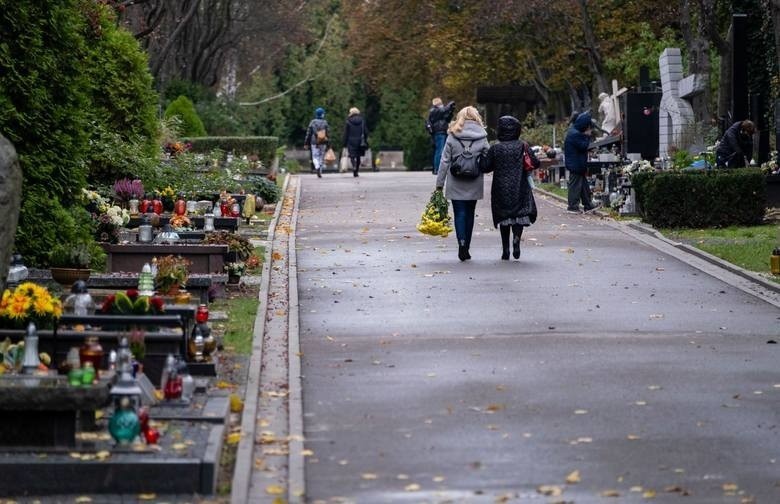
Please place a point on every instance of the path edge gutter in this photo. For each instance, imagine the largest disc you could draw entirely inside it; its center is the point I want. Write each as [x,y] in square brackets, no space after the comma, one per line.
[242,471]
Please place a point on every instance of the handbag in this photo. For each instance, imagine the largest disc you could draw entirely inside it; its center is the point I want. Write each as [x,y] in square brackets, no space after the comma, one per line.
[330,156]
[528,163]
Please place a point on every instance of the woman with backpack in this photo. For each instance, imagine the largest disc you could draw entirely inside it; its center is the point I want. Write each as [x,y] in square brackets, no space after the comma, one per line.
[355,138]
[318,139]
[511,195]
[459,172]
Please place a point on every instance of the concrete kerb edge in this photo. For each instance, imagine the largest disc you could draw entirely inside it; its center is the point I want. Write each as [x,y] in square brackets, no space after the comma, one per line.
[717,261]
[242,472]
[296,482]
[718,268]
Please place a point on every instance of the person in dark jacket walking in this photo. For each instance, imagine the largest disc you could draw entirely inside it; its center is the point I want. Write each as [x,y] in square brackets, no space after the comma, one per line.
[511,195]
[736,147]
[439,118]
[575,151]
[318,139]
[466,131]
[355,139]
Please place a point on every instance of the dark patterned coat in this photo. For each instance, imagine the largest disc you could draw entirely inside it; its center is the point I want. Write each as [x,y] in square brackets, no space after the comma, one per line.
[511,195]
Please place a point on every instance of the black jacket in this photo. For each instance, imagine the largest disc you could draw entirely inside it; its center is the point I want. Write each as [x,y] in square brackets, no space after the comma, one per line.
[355,136]
[511,195]
[439,118]
[735,148]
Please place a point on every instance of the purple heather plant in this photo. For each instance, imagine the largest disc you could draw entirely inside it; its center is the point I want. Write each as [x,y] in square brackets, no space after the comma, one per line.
[126,189]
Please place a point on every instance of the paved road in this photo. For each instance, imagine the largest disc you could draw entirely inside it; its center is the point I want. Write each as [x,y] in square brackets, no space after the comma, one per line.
[431,380]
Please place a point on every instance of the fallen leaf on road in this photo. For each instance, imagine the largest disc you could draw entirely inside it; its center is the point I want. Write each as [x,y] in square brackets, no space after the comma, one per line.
[232,439]
[632,437]
[414,487]
[550,490]
[610,493]
[656,316]
[274,490]
[147,496]
[649,494]
[573,477]
[438,479]
[368,476]
[82,499]
[653,387]
[641,403]
[493,408]
[568,250]
[730,487]
[635,489]
[581,412]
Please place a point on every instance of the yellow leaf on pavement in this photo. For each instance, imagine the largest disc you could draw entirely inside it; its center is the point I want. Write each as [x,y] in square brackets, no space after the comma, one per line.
[573,477]
[147,496]
[274,490]
[550,490]
[368,476]
[233,438]
[236,404]
[610,493]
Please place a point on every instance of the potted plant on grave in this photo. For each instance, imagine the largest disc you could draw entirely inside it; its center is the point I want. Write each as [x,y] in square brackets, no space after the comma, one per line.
[29,302]
[235,270]
[239,247]
[69,262]
[172,274]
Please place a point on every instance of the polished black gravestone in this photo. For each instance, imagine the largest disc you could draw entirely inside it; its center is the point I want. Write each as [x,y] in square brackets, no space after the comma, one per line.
[43,411]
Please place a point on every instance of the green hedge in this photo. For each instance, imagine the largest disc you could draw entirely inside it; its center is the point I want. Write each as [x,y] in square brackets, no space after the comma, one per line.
[700,199]
[264,147]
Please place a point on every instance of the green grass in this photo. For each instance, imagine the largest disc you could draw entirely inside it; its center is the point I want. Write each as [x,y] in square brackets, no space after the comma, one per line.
[554,188]
[747,247]
[241,313]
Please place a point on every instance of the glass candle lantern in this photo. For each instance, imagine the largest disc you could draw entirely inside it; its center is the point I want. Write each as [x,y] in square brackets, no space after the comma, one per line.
[208,222]
[202,314]
[145,231]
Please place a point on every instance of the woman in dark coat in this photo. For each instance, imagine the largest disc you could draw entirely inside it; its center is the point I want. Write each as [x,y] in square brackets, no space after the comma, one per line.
[511,195]
[355,138]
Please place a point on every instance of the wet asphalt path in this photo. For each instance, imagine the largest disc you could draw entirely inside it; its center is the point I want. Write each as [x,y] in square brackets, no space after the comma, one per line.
[431,380]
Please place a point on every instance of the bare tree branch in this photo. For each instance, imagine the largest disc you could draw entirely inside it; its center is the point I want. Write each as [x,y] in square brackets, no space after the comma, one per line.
[283,93]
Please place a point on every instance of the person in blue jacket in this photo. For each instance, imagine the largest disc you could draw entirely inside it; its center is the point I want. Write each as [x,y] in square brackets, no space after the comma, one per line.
[575,151]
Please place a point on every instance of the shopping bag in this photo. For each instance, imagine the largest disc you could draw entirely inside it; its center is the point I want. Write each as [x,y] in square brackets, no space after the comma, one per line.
[330,156]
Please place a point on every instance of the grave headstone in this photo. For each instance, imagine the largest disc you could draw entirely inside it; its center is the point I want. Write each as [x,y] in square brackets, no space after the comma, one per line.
[674,112]
[10,199]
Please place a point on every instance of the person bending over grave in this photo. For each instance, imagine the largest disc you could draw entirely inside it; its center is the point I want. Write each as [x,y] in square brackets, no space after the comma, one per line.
[736,147]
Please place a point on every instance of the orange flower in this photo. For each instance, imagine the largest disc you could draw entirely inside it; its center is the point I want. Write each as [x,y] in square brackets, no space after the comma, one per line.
[19,306]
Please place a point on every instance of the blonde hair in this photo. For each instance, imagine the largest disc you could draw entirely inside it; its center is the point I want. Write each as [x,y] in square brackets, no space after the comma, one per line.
[436,102]
[465,114]
[354,111]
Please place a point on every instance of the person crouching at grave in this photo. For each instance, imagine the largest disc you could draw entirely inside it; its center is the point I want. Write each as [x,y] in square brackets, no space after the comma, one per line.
[466,132]
[511,195]
[575,151]
[736,147]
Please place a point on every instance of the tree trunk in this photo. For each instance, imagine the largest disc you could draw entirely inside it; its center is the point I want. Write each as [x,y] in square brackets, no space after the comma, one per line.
[776,24]
[724,87]
[594,54]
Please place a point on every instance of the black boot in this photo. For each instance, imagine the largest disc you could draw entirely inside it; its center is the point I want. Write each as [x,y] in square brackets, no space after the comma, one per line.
[505,255]
[463,251]
[516,247]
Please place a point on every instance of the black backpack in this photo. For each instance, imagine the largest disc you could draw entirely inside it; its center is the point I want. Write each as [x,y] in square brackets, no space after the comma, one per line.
[467,164]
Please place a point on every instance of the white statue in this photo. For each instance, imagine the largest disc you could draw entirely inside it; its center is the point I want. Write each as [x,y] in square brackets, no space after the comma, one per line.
[609,120]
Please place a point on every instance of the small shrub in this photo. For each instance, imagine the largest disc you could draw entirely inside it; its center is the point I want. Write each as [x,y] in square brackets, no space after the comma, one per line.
[191,125]
[266,189]
[264,147]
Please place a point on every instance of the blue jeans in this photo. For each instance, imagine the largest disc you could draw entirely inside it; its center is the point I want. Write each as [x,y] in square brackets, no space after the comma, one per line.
[463,213]
[438,146]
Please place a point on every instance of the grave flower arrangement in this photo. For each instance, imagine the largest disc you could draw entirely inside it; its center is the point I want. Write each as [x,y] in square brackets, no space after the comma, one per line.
[126,189]
[131,303]
[435,220]
[29,302]
[172,273]
[109,222]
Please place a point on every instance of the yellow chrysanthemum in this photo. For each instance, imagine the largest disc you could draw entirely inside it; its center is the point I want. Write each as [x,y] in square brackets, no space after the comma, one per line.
[18,307]
[43,306]
[57,309]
